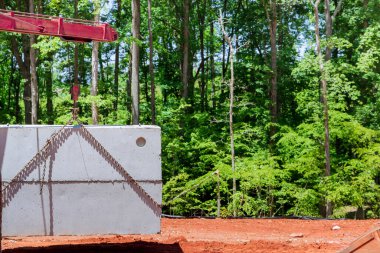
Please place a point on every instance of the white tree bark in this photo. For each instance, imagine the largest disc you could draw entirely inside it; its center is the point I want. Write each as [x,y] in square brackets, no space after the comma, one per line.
[135,86]
[33,73]
[231,112]
[151,67]
[94,72]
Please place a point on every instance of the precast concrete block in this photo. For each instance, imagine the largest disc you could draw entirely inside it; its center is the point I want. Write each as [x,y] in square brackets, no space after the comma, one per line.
[76,188]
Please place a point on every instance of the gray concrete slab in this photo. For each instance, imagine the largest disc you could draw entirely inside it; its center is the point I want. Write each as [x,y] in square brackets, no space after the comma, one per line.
[76,190]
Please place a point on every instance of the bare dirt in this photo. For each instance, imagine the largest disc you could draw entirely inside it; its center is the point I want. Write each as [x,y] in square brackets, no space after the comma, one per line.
[210,235]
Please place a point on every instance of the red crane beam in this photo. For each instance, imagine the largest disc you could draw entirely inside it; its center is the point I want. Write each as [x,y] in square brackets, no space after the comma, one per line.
[68,29]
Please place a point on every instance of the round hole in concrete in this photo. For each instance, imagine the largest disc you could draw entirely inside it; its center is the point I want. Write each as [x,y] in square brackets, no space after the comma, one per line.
[140,141]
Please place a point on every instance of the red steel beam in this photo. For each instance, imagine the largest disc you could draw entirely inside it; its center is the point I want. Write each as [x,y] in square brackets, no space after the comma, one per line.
[68,29]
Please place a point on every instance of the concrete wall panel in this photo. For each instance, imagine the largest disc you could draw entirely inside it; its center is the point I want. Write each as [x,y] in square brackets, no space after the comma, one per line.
[76,191]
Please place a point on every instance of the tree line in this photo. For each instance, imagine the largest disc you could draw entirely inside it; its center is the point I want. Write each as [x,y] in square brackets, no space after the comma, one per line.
[267,107]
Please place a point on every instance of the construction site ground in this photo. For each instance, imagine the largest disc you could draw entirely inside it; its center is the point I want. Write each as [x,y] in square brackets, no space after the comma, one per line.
[210,235]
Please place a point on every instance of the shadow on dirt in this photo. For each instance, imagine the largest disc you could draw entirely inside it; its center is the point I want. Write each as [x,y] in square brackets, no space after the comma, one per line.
[135,247]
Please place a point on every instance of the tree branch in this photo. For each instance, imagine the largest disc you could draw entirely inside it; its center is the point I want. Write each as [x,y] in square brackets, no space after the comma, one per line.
[17,54]
[337,9]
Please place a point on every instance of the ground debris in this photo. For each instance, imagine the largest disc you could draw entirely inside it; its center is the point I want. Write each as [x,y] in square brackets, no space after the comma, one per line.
[296,235]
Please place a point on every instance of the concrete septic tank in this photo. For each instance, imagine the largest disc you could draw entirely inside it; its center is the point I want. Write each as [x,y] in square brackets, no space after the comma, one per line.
[76,188]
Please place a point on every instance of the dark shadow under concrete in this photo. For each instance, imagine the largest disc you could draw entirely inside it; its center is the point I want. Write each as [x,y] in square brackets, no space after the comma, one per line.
[132,247]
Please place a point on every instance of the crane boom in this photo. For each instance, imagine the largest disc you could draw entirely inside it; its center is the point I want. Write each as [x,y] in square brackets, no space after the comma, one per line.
[68,29]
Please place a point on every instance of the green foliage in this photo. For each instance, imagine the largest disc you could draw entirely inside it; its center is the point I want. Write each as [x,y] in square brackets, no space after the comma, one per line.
[278,175]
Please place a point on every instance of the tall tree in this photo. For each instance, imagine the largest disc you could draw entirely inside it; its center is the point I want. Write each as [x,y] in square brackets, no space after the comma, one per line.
[201,20]
[231,110]
[135,52]
[49,89]
[186,48]
[151,66]
[322,70]
[212,63]
[117,56]
[95,62]
[33,73]
[271,12]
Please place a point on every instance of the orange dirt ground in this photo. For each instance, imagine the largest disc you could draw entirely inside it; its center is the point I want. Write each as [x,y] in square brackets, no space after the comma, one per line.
[209,235]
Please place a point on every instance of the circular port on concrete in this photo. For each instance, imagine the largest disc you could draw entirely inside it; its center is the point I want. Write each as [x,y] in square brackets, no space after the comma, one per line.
[140,141]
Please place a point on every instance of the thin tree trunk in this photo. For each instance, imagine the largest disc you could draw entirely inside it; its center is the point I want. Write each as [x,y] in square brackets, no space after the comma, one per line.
[129,88]
[116,79]
[16,87]
[103,78]
[273,90]
[49,91]
[146,85]
[201,18]
[94,82]
[151,67]
[117,55]
[10,84]
[82,67]
[329,29]
[212,63]
[33,73]
[135,62]
[232,80]
[324,99]
[218,194]
[186,48]
[365,7]
[224,65]
[95,63]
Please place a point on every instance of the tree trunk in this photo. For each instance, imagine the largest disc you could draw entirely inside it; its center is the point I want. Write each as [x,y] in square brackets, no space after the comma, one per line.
[224,65]
[16,88]
[102,77]
[94,72]
[329,29]
[212,63]
[10,84]
[324,100]
[231,112]
[201,18]
[151,67]
[135,87]
[117,55]
[116,79]
[49,91]
[365,6]
[186,48]
[82,67]
[33,77]
[25,71]
[273,90]
[129,88]
[145,71]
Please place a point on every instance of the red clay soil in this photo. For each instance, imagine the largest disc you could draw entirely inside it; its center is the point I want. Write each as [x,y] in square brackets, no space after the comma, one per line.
[210,235]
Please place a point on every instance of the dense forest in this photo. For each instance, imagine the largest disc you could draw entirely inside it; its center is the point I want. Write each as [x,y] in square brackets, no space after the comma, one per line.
[267,107]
